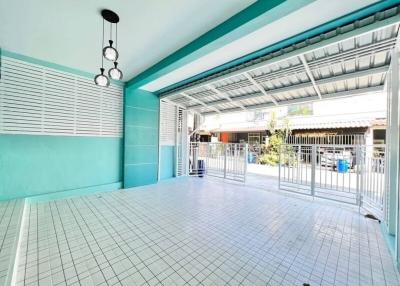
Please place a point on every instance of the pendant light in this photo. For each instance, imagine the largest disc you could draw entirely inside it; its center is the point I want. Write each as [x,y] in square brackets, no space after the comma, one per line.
[101,79]
[115,73]
[110,53]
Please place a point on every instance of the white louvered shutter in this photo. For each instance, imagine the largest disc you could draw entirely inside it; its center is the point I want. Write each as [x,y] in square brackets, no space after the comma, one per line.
[43,101]
[167,124]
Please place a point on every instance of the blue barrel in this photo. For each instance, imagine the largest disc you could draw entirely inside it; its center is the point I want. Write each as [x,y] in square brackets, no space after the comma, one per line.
[342,166]
[250,157]
[201,168]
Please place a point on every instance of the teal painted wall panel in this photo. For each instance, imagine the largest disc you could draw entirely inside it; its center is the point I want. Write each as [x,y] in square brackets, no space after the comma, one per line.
[167,162]
[34,165]
[139,175]
[141,154]
[141,117]
[141,134]
[141,99]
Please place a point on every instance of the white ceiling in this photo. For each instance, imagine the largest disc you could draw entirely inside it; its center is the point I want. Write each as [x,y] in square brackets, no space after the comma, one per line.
[68,32]
[303,19]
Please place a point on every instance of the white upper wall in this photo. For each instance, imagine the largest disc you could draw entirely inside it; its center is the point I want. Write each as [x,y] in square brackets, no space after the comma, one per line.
[371,105]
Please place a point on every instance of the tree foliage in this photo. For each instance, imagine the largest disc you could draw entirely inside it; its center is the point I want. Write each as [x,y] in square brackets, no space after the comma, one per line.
[270,151]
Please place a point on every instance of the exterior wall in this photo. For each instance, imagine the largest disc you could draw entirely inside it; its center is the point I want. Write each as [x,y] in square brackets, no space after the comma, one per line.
[363,107]
[32,165]
[167,162]
[36,165]
[141,138]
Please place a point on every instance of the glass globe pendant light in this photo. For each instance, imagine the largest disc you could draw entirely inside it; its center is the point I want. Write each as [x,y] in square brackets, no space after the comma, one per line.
[115,73]
[110,53]
[101,79]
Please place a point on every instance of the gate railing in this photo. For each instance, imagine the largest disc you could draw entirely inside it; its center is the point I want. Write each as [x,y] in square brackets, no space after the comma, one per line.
[352,174]
[326,139]
[224,160]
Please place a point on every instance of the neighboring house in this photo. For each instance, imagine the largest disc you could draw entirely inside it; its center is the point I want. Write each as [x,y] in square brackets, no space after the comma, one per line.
[340,121]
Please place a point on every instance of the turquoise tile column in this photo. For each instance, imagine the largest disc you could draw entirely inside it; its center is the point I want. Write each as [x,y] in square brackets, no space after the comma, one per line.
[141,116]
[167,162]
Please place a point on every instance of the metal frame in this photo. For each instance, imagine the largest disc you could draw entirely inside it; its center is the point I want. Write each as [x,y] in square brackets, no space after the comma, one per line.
[312,170]
[310,75]
[222,160]
[337,63]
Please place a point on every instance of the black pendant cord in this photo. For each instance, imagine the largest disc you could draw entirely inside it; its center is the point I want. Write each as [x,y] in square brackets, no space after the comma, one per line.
[110,31]
[102,46]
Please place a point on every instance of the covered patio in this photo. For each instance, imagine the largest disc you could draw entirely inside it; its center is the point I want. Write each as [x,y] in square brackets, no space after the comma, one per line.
[103,180]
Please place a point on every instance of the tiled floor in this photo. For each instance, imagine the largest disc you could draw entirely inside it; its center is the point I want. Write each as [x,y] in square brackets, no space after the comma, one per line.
[200,232]
[10,217]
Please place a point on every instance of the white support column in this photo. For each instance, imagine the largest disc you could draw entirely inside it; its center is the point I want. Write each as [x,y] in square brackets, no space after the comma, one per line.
[393,155]
[310,75]
[394,145]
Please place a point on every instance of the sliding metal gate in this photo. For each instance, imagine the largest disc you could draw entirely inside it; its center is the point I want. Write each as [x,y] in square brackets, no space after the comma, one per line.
[352,174]
[224,160]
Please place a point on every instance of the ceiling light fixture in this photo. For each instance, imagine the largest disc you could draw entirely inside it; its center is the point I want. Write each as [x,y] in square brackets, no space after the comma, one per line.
[110,53]
[115,73]
[101,79]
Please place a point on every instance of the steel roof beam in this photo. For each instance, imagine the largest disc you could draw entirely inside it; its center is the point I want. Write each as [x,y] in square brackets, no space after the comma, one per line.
[199,101]
[295,53]
[310,75]
[174,103]
[319,63]
[366,72]
[227,97]
[259,86]
[335,95]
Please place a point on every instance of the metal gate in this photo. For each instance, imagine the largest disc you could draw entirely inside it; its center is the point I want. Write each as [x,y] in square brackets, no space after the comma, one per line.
[351,174]
[224,160]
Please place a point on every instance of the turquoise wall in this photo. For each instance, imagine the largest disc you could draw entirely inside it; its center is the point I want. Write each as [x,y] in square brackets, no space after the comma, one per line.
[141,125]
[167,162]
[34,165]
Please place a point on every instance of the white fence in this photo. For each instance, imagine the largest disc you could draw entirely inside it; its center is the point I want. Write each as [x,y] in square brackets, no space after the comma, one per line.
[341,139]
[352,174]
[224,160]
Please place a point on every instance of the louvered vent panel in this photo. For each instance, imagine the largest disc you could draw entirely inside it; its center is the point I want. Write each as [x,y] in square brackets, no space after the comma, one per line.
[44,101]
[167,124]
[182,133]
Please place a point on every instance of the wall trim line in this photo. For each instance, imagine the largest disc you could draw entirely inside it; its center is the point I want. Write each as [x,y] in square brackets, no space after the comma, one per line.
[75,192]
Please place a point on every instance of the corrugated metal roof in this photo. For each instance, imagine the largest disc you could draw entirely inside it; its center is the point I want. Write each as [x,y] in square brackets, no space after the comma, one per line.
[349,60]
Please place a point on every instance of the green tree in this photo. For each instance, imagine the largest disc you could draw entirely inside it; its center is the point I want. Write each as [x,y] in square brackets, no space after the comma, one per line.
[277,137]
